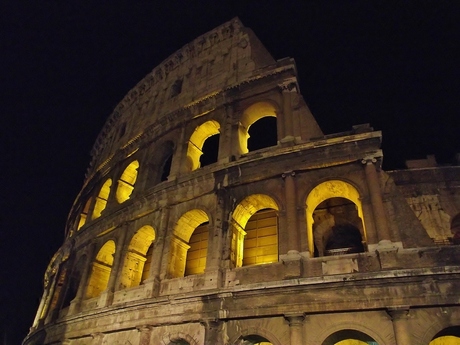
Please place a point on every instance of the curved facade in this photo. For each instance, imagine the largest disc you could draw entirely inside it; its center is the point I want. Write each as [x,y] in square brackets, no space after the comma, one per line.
[215,211]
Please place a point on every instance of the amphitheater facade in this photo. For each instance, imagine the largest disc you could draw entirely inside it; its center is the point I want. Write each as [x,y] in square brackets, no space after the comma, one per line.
[215,211]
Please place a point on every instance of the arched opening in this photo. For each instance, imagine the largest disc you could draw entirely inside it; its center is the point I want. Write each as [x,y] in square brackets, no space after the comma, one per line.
[335,219]
[255,231]
[127,181]
[210,150]
[264,133]
[349,337]
[196,255]
[100,273]
[254,339]
[166,167]
[136,257]
[180,264]
[196,142]
[448,336]
[455,229]
[73,282]
[84,214]
[179,342]
[101,199]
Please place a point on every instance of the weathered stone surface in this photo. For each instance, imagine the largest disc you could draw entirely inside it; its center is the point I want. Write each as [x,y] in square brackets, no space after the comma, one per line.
[302,241]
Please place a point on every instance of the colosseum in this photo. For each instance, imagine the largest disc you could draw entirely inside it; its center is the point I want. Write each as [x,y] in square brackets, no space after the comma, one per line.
[215,211]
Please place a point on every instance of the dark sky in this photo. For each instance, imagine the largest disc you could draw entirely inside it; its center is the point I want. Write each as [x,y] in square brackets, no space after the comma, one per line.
[64,66]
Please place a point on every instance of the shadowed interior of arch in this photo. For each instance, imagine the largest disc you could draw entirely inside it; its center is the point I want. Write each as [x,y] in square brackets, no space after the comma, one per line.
[254,339]
[349,337]
[262,134]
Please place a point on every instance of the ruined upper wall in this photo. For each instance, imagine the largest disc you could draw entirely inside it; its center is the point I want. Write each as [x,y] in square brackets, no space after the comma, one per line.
[220,59]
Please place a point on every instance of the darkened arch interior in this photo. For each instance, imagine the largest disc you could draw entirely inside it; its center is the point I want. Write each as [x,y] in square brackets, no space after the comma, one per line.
[348,334]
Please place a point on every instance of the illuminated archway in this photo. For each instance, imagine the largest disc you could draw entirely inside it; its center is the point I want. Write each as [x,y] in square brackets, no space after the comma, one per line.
[84,214]
[180,264]
[253,339]
[349,337]
[101,199]
[127,181]
[333,189]
[252,114]
[260,251]
[448,336]
[102,266]
[197,139]
[133,271]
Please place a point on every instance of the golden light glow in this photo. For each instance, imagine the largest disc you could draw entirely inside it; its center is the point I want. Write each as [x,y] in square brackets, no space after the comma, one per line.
[127,181]
[351,342]
[251,115]
[84,214]
[446,340]
[183,231]
[327,190]
[196,255]
[197,139]
[102,266]
[133,269]
[241,215]
[101,199]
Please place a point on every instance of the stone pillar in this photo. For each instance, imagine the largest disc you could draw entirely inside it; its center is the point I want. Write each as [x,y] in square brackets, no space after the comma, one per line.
[380,217]
[214,332]
[287,112]
[215,238]
[296,328]
[146,332]
[157,253]
[368,222]
[291,211]
[179,155]
[401,328]
[75,304]
[106,297]
[226,136]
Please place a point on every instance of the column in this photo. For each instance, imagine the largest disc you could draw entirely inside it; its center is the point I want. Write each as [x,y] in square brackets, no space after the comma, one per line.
[157,253]
[179,155]
[381,222]
[401,329]
[214,332]
[296,328]
[287,115]
[226,136]
[291,211]
[146,331]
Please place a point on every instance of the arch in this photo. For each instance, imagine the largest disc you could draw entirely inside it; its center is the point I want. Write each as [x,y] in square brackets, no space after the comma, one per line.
[349,337]
[136,257]
[84,214]
[242,214]
[100,273]
[181,243]
[455,228]
[250,115]
[254,339]
[101,199]
[447,336]
[73,281]
[197,139]
[335,190]
[127,181]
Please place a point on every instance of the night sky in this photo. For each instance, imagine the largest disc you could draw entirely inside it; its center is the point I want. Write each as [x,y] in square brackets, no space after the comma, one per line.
[64,66]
